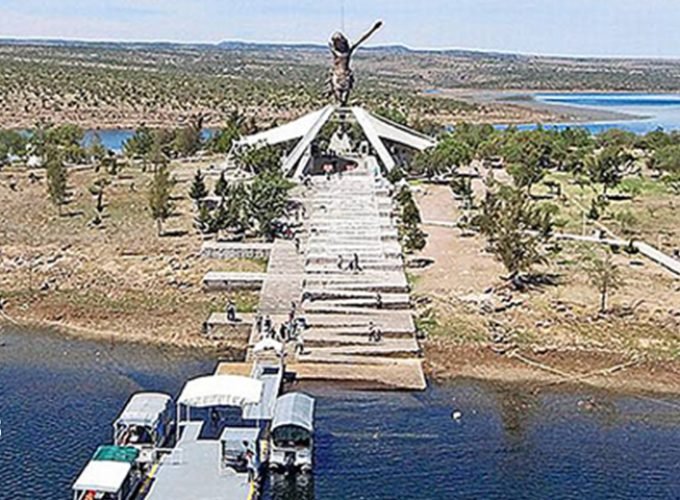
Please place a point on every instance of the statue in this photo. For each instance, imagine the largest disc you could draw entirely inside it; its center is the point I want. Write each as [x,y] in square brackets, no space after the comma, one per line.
[342,78]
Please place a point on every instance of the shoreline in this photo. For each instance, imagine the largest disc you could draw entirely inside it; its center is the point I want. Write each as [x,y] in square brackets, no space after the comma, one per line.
[579,370]
[526,99]
[444,362]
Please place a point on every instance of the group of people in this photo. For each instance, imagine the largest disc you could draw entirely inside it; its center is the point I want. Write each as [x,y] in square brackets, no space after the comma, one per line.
[288,331]
[331,168]
[352,264]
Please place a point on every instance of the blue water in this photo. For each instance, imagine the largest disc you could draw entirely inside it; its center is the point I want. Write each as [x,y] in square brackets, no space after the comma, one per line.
[58,398]
[114,139]
[658,110]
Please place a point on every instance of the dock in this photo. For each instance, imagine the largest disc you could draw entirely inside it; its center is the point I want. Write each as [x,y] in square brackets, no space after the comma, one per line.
[191,470]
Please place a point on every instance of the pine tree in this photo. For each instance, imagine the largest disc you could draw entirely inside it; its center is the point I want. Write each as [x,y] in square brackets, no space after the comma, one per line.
[204,220]
[198,190]
[221,186]
[56,179]
[604,275]
[159,196]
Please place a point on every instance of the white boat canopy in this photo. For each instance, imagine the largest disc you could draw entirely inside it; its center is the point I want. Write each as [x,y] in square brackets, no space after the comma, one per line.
[220,390]
[268,344]
[103,476]
[295,409]
[144,408]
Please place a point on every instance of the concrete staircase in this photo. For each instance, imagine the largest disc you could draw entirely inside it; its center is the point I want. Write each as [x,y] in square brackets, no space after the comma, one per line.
[353,215]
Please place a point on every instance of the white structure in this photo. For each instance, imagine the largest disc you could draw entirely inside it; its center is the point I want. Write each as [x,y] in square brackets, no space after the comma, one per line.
[305,129]
[220,390]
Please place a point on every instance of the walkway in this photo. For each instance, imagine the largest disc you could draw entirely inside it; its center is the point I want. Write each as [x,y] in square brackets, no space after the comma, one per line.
[346,216]
[353,215]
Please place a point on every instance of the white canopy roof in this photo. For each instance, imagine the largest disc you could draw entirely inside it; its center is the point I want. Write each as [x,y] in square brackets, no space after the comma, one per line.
[268,344]
[308,127]
[102,476]
[294,408]
[144,408]
[220,390]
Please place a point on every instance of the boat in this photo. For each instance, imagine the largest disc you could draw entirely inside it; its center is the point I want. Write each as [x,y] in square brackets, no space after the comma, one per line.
[145,424]
[113,473]
[292,433]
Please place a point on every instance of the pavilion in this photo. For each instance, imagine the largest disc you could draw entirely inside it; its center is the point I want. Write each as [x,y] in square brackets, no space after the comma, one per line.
[383,135]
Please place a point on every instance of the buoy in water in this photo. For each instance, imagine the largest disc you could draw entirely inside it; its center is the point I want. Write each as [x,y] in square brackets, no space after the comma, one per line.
[456,415]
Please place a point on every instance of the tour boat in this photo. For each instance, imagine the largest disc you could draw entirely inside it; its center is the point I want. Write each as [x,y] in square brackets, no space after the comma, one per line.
[113,473]
[145,424]
[292,433]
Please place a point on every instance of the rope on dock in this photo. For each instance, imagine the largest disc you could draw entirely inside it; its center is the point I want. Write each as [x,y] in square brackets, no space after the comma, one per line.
[147,482]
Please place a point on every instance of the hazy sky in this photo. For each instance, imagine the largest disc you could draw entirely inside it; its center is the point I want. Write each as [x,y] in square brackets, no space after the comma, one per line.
[574,27]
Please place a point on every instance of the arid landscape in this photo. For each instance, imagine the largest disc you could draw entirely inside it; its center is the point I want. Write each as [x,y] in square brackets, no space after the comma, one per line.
[108,85]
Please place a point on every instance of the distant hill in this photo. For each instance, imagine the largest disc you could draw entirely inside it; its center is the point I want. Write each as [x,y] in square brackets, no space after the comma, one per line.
[252,46]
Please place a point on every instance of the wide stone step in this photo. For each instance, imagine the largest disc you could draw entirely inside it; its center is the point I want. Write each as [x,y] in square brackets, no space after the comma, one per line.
[394,301]
[328,356]
[312,268]
[314,294]
[392,321]
[350,333]
[359,345]
[218,281]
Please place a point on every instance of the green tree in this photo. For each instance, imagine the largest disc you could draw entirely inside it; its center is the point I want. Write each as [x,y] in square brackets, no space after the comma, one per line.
[223,140]
[160,202]
[139,145]
[259,159]
[604,275]
[198,191]
[221,186]
[267,200]
[96,151]
[616,138]
[204,220]
[448,154]
[412,237]
[11,143]
[516,228]
[462,187]
[393,114]
[667,159]
[607,167]
[56,178]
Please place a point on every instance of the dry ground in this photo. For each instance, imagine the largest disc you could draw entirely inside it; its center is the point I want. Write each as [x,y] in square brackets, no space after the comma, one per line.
[552,324]
[118,279]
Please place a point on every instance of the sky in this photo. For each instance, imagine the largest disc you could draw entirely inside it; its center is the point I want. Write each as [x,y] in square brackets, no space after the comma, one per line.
[640,28]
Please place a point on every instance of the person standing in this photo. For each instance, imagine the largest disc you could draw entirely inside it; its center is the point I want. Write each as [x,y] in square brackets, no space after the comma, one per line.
[357,266]
[231,311]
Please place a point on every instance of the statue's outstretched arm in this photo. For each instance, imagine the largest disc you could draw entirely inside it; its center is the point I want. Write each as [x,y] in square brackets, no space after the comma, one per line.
[367,35]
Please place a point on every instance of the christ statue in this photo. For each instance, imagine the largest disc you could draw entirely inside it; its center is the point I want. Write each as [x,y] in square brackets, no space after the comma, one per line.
[342,78]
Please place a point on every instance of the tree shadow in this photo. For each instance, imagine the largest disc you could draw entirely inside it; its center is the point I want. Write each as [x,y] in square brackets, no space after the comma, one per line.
[175,233]
[535,281]
[73,213]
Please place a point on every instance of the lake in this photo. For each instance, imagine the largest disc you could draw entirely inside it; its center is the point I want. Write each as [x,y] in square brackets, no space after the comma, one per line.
[59,396]
[657,110]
